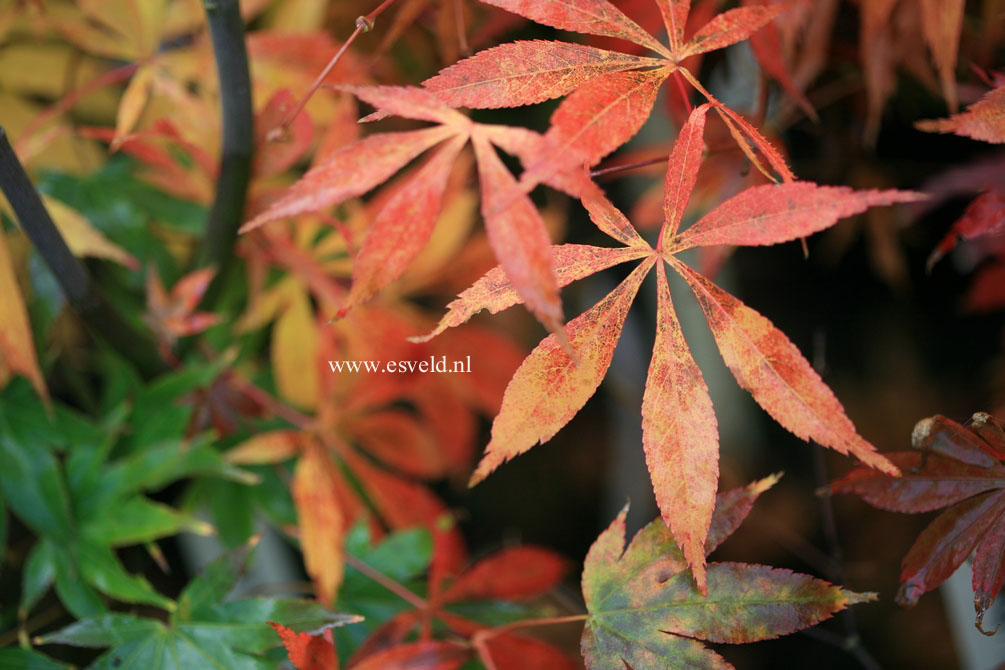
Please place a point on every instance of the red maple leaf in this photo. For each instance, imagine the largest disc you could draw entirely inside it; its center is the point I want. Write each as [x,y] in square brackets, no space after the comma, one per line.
[957,467]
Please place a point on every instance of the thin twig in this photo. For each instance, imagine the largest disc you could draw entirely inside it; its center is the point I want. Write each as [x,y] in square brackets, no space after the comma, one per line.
[23,632]
[531,623]
[850,645]
[72,98]
[363,24]
[629,166]
[226,29]
[82,294]
[683,91]
[388,583]
[852,642]
[283,411]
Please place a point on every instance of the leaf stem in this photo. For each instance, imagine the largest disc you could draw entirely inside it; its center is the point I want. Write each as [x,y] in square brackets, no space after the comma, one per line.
[388,583]
[683,91]
[263,398]
[628,166]
[82,294]
[23,632]
[226,29]
[363,24]
[480,638]
[851,642]
[65,103]
[531,623]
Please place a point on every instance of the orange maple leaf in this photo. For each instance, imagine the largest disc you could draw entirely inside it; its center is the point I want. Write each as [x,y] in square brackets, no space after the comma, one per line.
[679,428]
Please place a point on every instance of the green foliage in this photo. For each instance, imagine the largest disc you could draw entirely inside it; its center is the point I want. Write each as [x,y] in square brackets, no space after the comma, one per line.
[80,486]
[205,630]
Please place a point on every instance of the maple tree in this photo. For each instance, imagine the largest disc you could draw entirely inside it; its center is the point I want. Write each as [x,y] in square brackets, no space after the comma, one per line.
[215,212]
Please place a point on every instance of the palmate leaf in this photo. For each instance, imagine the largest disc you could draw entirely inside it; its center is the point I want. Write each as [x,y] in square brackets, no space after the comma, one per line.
[610,94]
[958,467]
[206,631]
[611,97]
[645,613]
[527,72]
[405,223]
[83,506]
[679,431]
[490,591]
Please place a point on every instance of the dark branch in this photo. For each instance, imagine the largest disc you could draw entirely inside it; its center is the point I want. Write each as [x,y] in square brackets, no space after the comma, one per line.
[83,296]
[226,29]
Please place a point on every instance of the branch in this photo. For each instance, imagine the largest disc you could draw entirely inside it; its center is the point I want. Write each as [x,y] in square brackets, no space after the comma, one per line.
[388,583]
[83,296]
[226,29]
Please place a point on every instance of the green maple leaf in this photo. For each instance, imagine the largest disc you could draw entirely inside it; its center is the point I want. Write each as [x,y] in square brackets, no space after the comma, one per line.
[204,631]
[646,612]
[57,477]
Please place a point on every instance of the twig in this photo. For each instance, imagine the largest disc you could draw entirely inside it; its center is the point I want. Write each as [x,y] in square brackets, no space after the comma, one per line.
[531,623]
[82,294]
[628,166]
[683,91]
[363,24]
[851,642]
[72,98]
[850,645]
[226,29]
[388,583]
[27,627]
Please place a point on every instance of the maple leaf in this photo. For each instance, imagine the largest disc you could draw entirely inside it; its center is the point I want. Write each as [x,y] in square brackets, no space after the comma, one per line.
[423,655]
[204,630]
[406,221]
[888,38]
[984,120]
[983,218]
[454,595]
[767,47]
[274,155]
[960,468]
[17,347]
[612,93]
[679,432]
[327,501]
[986,293]
[306,651]
[644,612]
[413,426]
[173,316]
[314,652]
[456,592]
